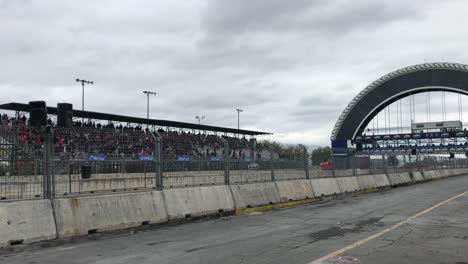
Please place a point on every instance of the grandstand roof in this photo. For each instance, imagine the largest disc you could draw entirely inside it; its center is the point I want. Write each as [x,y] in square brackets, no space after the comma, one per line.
[138,120]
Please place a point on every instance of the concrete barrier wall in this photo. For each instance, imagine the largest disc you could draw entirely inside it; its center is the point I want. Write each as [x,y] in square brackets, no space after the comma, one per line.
[366,182]
[459,171]
[30,221]
[453,172]
[417,176]
[362,172]
[429,175]
[294,190]
[255,194]
[286,174]
[26,221]
[190,181]
[325,186]
[80,215]
[445,173]
[399,178]
[197,201]
[319,173]
[347,184]
[348,172]
[244,176]
[381,180]
[405,177]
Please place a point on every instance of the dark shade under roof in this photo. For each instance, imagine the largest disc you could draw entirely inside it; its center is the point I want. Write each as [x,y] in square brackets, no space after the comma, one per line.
[136,120]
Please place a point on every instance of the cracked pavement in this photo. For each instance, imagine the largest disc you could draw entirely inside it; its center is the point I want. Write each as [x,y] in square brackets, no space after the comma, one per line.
[294,235]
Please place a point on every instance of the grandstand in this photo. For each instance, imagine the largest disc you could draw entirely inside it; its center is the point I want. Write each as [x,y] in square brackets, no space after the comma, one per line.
[100,152]
[109,136]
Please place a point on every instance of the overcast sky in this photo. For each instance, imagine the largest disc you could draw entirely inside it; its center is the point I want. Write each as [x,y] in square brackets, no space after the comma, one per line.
[291,65]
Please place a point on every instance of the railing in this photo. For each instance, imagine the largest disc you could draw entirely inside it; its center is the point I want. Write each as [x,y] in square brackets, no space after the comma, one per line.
[354,166]
[58,163]
[65,162]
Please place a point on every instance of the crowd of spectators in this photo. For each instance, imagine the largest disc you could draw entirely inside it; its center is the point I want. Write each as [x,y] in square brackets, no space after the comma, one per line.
[206,146]
[128,142]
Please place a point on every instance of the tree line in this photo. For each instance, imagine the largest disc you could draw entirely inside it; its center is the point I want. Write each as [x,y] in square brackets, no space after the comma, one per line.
[295,152]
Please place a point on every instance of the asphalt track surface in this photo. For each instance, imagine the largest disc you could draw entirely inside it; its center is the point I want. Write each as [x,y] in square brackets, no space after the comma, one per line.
[422,223]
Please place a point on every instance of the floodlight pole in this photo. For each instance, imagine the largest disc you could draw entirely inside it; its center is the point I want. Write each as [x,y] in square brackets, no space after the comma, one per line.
[238,117]
[82,81]
[199,119]
[148,93]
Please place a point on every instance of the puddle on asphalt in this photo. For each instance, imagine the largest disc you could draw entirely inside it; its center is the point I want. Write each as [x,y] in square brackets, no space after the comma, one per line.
[337,231]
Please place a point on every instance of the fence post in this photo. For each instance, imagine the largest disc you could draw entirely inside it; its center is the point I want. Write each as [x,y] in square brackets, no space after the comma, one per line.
[333,164]
[227,176]
[272,159]
[47,180]
[306,161]
[353,164]
[418,162]
[384,164]
[158,160]
[14,149]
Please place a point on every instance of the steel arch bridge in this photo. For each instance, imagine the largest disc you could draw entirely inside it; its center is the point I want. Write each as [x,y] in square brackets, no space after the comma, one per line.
[427,77]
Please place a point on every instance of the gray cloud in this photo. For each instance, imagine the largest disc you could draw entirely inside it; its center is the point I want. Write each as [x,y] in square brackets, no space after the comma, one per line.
[291,65]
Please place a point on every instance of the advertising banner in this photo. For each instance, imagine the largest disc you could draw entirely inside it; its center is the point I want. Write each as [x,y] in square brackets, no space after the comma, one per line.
[183,158]
[96,157]
[146,157]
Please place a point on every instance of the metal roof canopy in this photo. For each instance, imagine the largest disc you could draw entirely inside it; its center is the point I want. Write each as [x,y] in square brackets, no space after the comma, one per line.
[137,120]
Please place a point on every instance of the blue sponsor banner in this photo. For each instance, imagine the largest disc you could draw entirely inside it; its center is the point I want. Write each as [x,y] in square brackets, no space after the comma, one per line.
[183,158]
[96,157]
[247,159]
[215,158]
[264,159]
[146,157]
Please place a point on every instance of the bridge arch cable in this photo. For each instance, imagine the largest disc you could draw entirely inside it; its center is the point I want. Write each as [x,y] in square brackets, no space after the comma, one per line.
[385,120]
[373,125]
[410,107]
[460,108]
[401,116]
[429,96]
[389,120]
[444,111]
[377,116]
[397,117]
[400,128]
[427,110]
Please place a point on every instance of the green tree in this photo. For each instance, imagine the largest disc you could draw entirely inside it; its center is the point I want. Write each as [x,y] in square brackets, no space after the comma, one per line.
[283,151]
[320,155]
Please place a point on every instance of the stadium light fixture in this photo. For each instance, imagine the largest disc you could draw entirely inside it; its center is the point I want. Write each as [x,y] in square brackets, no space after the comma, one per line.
[82,81]
[238,117]
[148,93]
[199,119]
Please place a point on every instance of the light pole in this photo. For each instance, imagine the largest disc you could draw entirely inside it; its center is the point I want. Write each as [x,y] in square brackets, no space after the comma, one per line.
[199,119]
[238,117]
[82,81]
[148,93]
